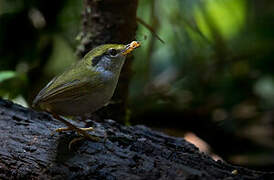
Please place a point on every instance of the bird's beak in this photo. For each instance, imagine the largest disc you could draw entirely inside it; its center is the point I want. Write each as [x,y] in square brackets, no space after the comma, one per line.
[130,47]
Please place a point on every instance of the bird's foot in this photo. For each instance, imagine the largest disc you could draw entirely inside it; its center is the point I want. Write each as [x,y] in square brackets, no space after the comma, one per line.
[80,131]
[68,129]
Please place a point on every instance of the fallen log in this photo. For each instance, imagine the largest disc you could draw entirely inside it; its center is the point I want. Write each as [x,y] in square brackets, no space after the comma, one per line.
[28,150]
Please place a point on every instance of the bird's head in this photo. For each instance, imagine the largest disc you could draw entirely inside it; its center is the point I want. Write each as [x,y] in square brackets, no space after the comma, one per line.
[110,56]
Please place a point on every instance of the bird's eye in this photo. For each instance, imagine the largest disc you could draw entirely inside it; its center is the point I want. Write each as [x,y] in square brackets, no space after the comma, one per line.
[112,52]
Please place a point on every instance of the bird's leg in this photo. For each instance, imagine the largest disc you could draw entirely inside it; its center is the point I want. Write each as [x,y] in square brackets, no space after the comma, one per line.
[81,131]
[111,102]
[74,141]
[68,128]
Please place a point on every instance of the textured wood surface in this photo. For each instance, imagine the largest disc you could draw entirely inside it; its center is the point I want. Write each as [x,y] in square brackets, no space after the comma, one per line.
[28,150]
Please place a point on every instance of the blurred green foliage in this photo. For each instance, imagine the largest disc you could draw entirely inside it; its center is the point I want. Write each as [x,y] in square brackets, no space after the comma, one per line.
[4,75]
[37,41]
[214,70]
[216,63]
[216,50]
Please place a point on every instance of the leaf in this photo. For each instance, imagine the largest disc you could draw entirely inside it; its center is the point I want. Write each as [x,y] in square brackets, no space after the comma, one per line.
[4,75]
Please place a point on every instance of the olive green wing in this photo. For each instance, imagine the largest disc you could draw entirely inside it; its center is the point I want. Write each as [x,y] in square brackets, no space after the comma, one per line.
[69,85]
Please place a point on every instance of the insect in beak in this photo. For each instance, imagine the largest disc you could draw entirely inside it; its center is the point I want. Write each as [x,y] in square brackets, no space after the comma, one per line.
[130,47]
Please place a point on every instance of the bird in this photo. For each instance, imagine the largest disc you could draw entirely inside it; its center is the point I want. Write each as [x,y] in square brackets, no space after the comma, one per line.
[86,86]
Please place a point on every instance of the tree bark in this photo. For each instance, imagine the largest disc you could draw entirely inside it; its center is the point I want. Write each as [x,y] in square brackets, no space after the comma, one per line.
[29,151]
[110,21]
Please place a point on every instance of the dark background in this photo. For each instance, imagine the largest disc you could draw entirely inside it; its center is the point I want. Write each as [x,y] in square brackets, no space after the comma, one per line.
[210,82]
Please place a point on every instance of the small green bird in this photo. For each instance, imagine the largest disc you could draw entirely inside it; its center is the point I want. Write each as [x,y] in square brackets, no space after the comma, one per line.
[86,86]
